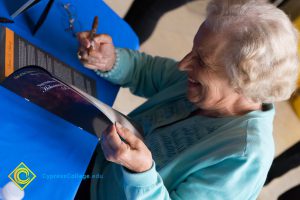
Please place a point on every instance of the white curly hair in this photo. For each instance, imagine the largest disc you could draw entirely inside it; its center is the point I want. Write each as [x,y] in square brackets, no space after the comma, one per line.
[260,56]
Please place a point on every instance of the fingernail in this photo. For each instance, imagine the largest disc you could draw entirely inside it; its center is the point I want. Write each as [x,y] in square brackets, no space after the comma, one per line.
[118,125]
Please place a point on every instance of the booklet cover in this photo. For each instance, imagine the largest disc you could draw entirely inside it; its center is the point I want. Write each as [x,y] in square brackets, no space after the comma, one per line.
[38,86]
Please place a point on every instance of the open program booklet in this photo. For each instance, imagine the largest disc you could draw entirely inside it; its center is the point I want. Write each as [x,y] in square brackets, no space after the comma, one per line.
[37,85]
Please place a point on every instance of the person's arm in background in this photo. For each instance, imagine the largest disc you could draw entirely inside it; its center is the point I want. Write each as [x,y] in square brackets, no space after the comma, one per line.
[143,74]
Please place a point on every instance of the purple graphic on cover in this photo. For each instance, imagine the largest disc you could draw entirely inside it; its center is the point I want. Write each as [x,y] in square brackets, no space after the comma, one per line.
[40,87]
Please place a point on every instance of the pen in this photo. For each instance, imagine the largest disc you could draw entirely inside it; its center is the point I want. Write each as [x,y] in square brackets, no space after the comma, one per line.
[93,33]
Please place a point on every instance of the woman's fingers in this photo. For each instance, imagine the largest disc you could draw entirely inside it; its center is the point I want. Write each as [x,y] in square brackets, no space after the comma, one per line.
[113,138]
[83,35]
[83,38]
[108,151]
[103,38]
[132,154]
[129,137]
[83,41]
[112,144]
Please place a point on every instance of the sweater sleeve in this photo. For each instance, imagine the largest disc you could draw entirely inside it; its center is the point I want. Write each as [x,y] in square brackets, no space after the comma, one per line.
[145,75]
[232,178]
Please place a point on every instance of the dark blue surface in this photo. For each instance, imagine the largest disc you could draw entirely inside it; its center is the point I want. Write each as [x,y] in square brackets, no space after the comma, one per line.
[47,144]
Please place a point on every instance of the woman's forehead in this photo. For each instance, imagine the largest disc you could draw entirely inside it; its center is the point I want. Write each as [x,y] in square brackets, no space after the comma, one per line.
[208,41]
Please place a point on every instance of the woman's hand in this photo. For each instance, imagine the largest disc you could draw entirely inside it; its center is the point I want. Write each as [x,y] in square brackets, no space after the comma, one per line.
[96,54]
[130,152]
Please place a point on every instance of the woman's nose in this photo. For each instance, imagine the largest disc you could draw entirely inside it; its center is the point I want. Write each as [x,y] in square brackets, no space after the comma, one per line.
[185,63]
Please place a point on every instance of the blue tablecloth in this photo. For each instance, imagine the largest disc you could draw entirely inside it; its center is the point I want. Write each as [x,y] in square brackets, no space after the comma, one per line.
[53,38]
[56,151]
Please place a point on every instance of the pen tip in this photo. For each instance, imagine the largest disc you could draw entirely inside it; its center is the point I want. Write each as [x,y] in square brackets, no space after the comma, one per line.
[96,20]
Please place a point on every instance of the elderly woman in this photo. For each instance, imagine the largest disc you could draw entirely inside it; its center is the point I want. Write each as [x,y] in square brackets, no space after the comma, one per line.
[208,121]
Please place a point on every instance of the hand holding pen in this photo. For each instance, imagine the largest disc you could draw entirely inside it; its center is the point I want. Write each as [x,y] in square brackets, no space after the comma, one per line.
[96,51]
[92,34]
